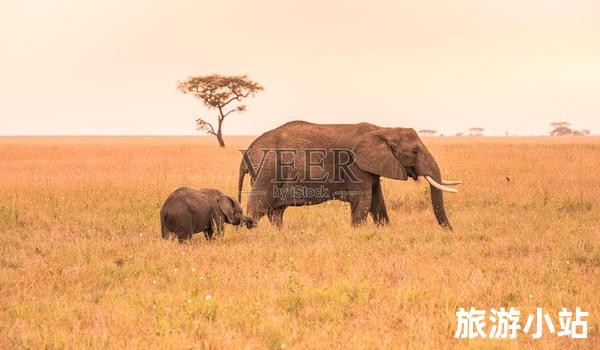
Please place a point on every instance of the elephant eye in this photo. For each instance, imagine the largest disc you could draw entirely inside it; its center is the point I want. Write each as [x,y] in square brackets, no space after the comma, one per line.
[416,150]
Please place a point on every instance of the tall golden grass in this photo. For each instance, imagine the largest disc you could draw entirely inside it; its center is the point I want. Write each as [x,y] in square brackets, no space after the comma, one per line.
[82,263]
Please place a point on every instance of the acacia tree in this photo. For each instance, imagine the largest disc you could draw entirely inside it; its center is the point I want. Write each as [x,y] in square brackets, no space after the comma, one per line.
[560,124]
[561,129]
[476,131]
[220,93]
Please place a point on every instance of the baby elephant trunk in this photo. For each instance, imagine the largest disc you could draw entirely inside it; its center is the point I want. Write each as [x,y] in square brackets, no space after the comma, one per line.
[249,222]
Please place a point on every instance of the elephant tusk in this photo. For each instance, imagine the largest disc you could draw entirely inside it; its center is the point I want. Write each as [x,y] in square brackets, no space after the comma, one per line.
[451,182]
[438,186]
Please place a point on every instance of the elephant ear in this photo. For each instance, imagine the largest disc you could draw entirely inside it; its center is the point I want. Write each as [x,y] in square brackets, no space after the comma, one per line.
[373,153]
[227,207]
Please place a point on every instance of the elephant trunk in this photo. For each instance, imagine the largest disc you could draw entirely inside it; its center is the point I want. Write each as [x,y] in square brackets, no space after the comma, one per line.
[430,168]
[249,222]
[243,171]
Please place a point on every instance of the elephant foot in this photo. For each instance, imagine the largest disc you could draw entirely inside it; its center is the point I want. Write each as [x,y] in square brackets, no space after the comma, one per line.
[381,221]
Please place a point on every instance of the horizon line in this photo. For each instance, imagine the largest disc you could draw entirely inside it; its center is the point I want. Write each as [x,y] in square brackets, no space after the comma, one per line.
[254,135]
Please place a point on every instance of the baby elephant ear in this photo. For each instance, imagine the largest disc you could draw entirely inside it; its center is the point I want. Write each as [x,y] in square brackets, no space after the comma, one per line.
[227,207]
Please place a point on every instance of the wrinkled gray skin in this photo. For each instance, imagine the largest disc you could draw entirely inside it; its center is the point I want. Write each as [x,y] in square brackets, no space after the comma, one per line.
[187,211]
[395,153]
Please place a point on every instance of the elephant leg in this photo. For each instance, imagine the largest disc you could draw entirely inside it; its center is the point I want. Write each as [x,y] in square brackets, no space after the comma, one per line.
[256,207]
[276,216]
[378,210]
[360,209]
[218,225]
[209,231]
[184,229]
[214,225]
[256,214]
[221,228]
[183,236]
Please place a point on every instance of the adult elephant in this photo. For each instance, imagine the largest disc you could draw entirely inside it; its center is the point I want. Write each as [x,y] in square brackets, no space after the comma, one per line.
[302,163]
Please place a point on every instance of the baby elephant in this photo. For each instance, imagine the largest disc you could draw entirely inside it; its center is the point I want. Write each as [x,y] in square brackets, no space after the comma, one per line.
[187,211]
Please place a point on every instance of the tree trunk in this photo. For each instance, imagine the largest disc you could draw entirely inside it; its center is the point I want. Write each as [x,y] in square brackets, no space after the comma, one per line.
[219,135]
[220,139]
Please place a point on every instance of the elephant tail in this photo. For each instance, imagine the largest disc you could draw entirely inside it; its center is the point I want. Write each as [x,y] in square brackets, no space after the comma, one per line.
[243,172]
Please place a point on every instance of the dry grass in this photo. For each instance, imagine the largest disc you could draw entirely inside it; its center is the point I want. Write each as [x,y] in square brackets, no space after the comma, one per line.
[82,264]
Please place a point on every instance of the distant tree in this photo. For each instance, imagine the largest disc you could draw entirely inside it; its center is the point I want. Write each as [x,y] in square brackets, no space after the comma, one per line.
[561,129]
[578,133]
[427,132]
[459,134]
[476,131]
[219,93]
[586,131]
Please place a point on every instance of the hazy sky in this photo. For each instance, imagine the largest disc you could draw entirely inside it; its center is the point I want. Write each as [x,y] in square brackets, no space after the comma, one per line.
[111,66]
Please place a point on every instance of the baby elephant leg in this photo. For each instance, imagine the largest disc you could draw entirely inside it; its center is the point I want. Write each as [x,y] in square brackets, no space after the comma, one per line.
[215,226]
[183,236]
[184,229]
[209,231]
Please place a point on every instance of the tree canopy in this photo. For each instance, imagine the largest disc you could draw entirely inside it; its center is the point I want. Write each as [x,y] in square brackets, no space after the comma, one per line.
[220,93]
[476,131]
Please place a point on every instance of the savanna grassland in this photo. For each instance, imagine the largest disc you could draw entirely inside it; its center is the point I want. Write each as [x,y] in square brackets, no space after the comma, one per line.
[82,263]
